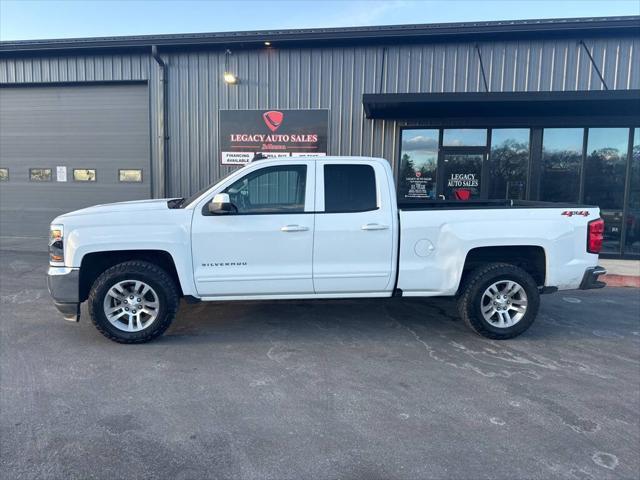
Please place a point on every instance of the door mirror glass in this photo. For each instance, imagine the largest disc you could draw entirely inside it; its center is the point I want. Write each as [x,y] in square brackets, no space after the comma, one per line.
[221,205]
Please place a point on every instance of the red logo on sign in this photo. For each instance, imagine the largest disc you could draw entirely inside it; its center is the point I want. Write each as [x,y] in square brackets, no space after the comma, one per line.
[418,174]
[273,119]
[462,194]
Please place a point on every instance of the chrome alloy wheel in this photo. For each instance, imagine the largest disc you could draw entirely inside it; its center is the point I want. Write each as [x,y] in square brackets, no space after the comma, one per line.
[504,303]
[131,305]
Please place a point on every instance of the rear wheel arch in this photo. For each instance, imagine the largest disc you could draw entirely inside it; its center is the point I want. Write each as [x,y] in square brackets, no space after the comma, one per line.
[530,258]
[93,264]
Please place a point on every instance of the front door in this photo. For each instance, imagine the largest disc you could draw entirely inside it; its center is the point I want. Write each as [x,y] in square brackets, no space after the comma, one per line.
[462,175]
[266,247]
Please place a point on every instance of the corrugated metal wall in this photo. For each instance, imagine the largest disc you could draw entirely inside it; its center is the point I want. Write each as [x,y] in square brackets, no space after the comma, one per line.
[333,78]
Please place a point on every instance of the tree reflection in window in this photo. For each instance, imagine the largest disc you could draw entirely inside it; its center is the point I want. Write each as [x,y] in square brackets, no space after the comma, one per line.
[418,161]
[605,170]
[632,237]
[40,174]
[561,164]
[509,163]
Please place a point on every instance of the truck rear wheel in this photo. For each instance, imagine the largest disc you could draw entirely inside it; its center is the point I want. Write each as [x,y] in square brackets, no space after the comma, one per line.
[133,302]
[499,301]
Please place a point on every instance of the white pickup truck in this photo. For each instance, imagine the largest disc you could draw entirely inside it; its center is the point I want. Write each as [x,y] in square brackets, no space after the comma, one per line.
[311,228]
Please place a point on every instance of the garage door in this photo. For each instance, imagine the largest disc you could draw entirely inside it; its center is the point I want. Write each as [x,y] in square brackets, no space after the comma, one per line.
[65,148]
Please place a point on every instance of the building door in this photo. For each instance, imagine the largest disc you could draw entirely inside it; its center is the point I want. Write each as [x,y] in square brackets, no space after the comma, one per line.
[462,174]
[63,148]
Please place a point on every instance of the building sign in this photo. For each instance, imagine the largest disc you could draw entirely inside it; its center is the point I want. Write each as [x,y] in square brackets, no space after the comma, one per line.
[418,186]
[273,133]
[462,180]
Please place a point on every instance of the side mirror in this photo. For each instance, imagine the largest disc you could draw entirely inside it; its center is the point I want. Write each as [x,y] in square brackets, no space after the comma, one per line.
[221,205]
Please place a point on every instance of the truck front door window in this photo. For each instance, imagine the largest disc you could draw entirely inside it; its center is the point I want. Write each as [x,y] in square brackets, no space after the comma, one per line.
[278,189]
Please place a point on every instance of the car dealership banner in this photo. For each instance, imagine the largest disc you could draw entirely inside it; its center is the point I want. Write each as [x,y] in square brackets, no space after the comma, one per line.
[273,133]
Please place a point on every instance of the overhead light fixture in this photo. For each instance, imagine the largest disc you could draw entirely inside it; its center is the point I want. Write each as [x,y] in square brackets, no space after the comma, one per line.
[230,78]
[268,44]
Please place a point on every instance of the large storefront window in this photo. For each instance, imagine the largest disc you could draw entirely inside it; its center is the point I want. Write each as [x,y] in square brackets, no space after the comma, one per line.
[632,233]
[605,170]
[509,163]
[561,161]
[418,162]
[595,166]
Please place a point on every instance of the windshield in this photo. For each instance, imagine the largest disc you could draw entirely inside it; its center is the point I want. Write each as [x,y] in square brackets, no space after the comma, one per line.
[183,202]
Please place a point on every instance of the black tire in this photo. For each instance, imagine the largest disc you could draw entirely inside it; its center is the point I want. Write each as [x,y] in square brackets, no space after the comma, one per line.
[472,291]
[152,275]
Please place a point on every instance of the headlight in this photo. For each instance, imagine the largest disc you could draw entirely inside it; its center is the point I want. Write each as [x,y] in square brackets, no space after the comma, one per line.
[56,245]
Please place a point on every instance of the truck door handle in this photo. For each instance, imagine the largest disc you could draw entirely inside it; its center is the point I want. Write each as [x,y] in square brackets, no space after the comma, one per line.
[294,228]
[374,226]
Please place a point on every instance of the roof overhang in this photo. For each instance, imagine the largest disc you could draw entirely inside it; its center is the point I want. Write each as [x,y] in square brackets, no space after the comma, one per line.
[386,34]
[573,108]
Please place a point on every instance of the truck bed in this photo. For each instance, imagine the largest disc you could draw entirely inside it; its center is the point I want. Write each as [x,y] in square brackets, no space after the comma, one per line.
[486,204]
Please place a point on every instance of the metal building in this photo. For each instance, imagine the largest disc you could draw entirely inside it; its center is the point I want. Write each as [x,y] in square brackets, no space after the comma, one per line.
[533,109]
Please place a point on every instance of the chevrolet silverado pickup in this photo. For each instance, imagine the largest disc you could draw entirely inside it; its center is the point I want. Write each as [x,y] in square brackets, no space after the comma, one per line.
[317,228]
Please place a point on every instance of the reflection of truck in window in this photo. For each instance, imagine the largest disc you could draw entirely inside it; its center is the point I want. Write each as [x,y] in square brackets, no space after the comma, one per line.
[302,228]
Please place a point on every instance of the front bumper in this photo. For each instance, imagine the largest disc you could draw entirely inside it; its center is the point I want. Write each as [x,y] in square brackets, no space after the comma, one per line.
[64,286]
[590,278]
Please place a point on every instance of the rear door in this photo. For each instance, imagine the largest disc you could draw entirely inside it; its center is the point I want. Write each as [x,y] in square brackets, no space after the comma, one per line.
[353,244]
[266,247]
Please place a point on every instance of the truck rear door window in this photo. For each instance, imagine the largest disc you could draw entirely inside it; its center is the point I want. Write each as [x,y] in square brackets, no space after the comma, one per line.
[349,188]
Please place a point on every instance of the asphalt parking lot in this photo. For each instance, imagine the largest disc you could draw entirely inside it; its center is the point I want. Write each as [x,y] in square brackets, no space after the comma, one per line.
[356,389]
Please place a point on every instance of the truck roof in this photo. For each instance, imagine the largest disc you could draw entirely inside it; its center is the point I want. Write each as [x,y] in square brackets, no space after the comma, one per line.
[330,158]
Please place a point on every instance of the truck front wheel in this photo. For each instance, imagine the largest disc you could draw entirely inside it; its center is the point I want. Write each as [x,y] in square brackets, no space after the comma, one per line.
[133,302]
[499,300]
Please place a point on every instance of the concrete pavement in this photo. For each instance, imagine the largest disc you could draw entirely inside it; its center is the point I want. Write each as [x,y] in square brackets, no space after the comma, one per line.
[358,389]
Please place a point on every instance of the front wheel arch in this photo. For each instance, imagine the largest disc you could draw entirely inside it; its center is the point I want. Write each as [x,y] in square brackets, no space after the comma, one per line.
[95,263]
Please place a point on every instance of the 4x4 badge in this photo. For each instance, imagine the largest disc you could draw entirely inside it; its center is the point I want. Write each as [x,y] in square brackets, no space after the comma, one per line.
[571,213]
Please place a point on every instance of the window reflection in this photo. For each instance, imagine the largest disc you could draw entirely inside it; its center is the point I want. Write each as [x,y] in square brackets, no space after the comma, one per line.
[605,170]
[464,137]
[40,174]
[84,174]
[561,164]
[605,167]
[130,175]
[279,189]
[632,237]
[509,163]
[418,161]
